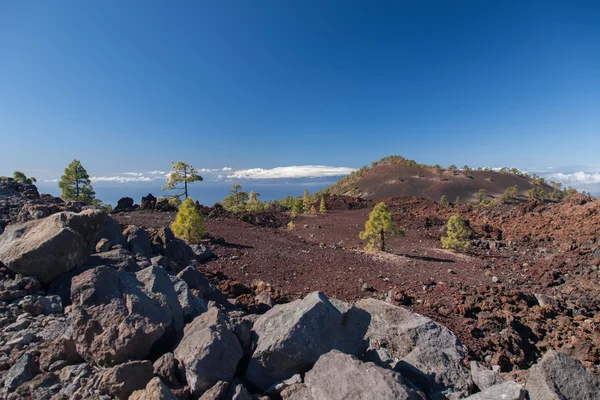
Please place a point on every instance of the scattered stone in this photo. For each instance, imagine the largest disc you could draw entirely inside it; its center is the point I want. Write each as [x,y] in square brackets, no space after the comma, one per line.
[557,376]
[196,280]
[22,371]
[292,337]
[217,392]
[118,258]
[138,240]
[103,245]
[166,368]
[483,377]
[209,352]
[503,391]
[191,305]
[155,390]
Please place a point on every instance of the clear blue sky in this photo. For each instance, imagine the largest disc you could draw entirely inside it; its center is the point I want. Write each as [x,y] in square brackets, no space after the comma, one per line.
[131,85]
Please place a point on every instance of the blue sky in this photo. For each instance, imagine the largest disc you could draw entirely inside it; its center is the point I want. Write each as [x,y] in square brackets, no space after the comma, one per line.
[129,86]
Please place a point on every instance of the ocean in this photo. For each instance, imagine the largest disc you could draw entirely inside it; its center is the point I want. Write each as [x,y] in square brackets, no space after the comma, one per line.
[207,193]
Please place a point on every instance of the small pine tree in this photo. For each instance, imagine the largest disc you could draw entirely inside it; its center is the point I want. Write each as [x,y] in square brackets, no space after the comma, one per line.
[313,210]
[322,207]
[291,226]
[457,235]
[306,201]
[76,185]
[294,213]
[509,194]
[379,224]
[481,195]
[444,200]
[457,201]
[189,222]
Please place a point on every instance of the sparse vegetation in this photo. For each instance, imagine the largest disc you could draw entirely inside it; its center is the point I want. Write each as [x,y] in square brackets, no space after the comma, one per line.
[75,184]
[20,177]
[457,237]
[537,193]
[183,174]
[509,194]
[189,222]
[174,201]
[322,206]
[444,200]
[291,226]
[379,225]
[481,194]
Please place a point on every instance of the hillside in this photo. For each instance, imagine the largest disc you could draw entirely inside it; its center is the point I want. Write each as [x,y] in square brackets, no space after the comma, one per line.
[393,179]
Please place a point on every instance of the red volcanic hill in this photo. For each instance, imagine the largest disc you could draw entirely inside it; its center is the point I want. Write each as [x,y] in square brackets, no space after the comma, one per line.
[400,177]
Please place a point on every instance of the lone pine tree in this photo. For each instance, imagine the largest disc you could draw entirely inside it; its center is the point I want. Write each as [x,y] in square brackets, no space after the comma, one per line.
[457,237]
[76,185]
[184,174]
[379,225]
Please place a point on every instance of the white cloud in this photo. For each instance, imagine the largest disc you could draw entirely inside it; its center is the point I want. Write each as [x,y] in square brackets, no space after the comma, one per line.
[121,179]
[580,179]
[157,172]
[50,180]
[299,171]
[225,169]
[133,173]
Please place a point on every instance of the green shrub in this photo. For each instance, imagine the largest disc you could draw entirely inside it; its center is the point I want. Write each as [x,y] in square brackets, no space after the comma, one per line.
[189,222]
[457,237]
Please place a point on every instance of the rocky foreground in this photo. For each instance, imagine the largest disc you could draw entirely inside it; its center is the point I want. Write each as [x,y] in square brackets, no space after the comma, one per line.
[89,310]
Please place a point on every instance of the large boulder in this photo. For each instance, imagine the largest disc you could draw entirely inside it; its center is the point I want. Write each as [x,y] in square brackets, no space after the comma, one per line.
[118,258]
[112,232]
[113,318]
[428,354]
[557,376]
[196,280]
[49,247]
[122,380]
[292,337]
[148,202]
[157,285]
[124,204]
[209,351]
[191,305]
[138,240]
[340,376]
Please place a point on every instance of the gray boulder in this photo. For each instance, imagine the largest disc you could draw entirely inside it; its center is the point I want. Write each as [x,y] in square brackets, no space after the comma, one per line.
[196,280]
[22,371]
[557,377]
[428,354]
[292,337]
[191,305]
[483,377]
[112,232]
[118,258]
[340,376]
[113,318]
[138,240]
[158,285]
[49,247]
[504,391]
[209,352]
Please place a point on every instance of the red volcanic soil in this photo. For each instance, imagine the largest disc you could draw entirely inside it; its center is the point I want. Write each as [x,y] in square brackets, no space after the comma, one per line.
[488,298]
[389,180]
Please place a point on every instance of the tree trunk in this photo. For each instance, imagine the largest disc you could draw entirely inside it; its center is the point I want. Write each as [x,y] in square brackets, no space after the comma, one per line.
[382,240]
[185,181]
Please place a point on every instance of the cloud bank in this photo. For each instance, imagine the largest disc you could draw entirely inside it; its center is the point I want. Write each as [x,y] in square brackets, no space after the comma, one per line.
[291,172]
[589,181]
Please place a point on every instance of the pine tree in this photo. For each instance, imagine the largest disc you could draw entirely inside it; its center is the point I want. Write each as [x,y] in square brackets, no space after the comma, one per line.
[379,224]
[457,235]
[509,194]
[291,226]
[184,174]
[306,201]
[189,222]
[444,200]
[76,185]
[457,201]
[481,195]
[313,210]
[20,177]
[322,207]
